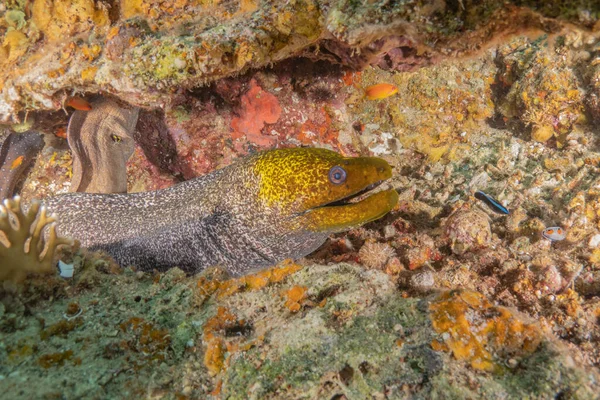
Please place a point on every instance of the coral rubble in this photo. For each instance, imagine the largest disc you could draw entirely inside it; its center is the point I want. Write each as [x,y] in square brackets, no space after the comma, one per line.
[547,99]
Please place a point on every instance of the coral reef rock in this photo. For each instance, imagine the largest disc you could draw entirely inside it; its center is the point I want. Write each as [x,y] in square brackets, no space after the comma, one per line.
[143,51]
[315,332]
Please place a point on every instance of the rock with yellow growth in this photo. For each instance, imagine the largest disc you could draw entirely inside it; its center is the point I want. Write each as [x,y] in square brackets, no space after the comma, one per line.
[215,347]
[206,287]
[58,19]
[542,88]
[14,46]
[88,74]
[177,11]
[367,336]
[438,109]
[542,133]
[479,333]
[295,297]
[23,248]
[218,347]
[370,335]
[191,43]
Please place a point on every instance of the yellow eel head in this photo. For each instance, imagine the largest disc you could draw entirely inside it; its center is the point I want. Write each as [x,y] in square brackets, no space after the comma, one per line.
[319,185]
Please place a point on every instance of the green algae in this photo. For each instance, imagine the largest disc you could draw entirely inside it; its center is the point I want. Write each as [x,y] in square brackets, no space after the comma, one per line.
[369,343]
[15,19]
[566,9]
[181,114]
[366,339]
[381,348]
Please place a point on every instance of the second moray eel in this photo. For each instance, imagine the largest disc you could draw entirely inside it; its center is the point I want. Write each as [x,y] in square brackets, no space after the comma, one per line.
[265,208]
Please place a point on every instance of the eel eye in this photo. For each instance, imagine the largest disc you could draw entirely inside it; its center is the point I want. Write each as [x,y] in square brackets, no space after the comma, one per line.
[337,175]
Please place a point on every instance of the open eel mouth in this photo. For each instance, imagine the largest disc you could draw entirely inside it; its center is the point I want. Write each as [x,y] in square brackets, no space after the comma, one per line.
[368,204]
[359,196]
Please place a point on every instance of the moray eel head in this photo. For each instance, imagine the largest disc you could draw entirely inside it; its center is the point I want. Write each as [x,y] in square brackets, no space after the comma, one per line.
[319,188]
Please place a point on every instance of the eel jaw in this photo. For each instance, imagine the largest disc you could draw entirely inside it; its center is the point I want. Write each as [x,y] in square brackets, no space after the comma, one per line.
[354,198]
[352,211]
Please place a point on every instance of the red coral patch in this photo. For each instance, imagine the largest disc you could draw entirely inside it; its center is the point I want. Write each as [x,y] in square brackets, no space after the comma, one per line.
[258,108]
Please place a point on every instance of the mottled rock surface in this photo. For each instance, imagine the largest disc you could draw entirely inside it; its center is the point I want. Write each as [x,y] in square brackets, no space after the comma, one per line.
[352,334]
[143,51]
[500,97]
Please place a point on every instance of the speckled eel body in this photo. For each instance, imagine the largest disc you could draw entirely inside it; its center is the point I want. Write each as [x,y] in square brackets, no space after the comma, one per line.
[254,213]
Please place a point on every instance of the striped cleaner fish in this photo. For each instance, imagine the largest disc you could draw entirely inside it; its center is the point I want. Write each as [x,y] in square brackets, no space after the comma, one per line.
[491,203]
[254,213]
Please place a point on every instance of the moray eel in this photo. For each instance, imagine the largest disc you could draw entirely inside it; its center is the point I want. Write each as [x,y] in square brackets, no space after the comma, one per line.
[101,142]
[252,214]
[18,152]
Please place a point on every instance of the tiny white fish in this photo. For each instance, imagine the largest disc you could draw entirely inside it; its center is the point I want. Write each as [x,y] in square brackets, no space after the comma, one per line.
[554,233]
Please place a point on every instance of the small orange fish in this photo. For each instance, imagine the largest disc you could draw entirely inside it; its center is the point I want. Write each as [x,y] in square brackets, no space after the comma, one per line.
[61,133]
[18,161]
[380,91]
[79,103]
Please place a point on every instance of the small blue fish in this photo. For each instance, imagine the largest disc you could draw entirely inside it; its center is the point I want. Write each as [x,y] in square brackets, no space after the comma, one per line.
[491,203]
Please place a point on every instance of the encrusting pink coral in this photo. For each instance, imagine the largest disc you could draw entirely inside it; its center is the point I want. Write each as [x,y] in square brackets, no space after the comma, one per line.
[23,248]
[257,109]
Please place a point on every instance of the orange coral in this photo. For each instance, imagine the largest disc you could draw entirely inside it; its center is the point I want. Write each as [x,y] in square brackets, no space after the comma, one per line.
[151,342]
[478,332]
[61,18]
[58,359]
[61,328]
[216,347]
[352,78]
[295,297]
[313,132]
[251,282]
[214,357]
[258,108]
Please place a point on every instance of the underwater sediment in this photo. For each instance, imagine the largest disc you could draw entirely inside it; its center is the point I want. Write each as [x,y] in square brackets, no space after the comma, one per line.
[446,296]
